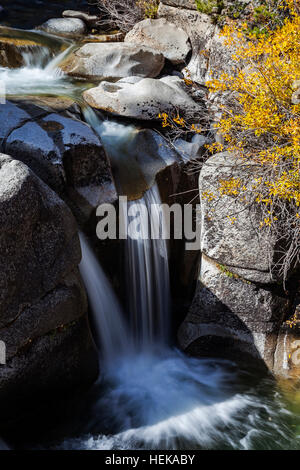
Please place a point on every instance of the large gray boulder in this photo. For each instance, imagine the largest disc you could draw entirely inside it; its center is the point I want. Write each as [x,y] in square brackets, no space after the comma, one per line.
[230,229]
[162,36]
[68,27]
[239,307]
[113,60]
[42,300]
[144,99]
[209,54]
[64,152]
[232,318]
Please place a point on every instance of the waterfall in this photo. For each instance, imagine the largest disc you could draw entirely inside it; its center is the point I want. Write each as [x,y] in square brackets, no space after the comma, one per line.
[39,75]
[147,272]
[151,396]
[146,259]
[111,332]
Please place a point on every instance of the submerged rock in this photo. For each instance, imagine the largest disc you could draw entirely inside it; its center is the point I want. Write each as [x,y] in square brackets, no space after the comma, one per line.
[113,60]
[68,27]
[42,300]
[144,99]
[163,37]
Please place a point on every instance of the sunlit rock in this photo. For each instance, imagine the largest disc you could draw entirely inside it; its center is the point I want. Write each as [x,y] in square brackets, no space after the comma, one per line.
[68,27]
[145,99]
[162,36]
[113,60]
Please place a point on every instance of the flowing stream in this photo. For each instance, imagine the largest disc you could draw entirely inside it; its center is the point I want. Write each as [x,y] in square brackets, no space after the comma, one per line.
[149,394]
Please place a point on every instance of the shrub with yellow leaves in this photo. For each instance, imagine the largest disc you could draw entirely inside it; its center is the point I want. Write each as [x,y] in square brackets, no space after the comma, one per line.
[261,124]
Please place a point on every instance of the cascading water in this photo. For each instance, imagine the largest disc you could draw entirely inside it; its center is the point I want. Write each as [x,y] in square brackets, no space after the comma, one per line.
[111,332]
[150,395]
[146,259]
[39,75]
[147,271]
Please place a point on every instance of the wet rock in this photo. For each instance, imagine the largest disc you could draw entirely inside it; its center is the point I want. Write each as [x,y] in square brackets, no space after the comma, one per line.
[113,60]
[40,291]
[63,152]
[144,153]
[67,27]
[162,36]
[12,51]
[191,150]
[144,99]
[13,116]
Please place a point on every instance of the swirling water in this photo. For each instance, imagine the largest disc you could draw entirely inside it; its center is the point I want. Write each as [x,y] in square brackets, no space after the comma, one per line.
[150,395]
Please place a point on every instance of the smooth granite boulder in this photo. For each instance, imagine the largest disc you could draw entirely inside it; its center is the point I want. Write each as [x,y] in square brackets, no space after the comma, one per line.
[43,304]
[144,99]
[113,60]
[162,36]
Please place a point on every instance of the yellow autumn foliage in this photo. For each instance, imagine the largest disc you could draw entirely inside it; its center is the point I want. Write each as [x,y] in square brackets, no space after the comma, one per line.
[260,124]
[261,121]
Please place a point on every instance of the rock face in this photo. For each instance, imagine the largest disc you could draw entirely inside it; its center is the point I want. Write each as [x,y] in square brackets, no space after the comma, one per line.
[242,246]
[143,99]
[209,55]
[232,318]
[42,300]
[162,36]
[68,27]
[89,20]
[113,60]
[238,308]
[63,152]
[189,4]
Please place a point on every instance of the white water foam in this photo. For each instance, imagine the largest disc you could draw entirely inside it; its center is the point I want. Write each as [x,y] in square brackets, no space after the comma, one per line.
[39,75]
[166,400]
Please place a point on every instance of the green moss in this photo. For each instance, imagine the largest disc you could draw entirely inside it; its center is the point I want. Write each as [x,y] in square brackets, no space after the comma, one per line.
[230,274]
[207,6]
[226,271]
